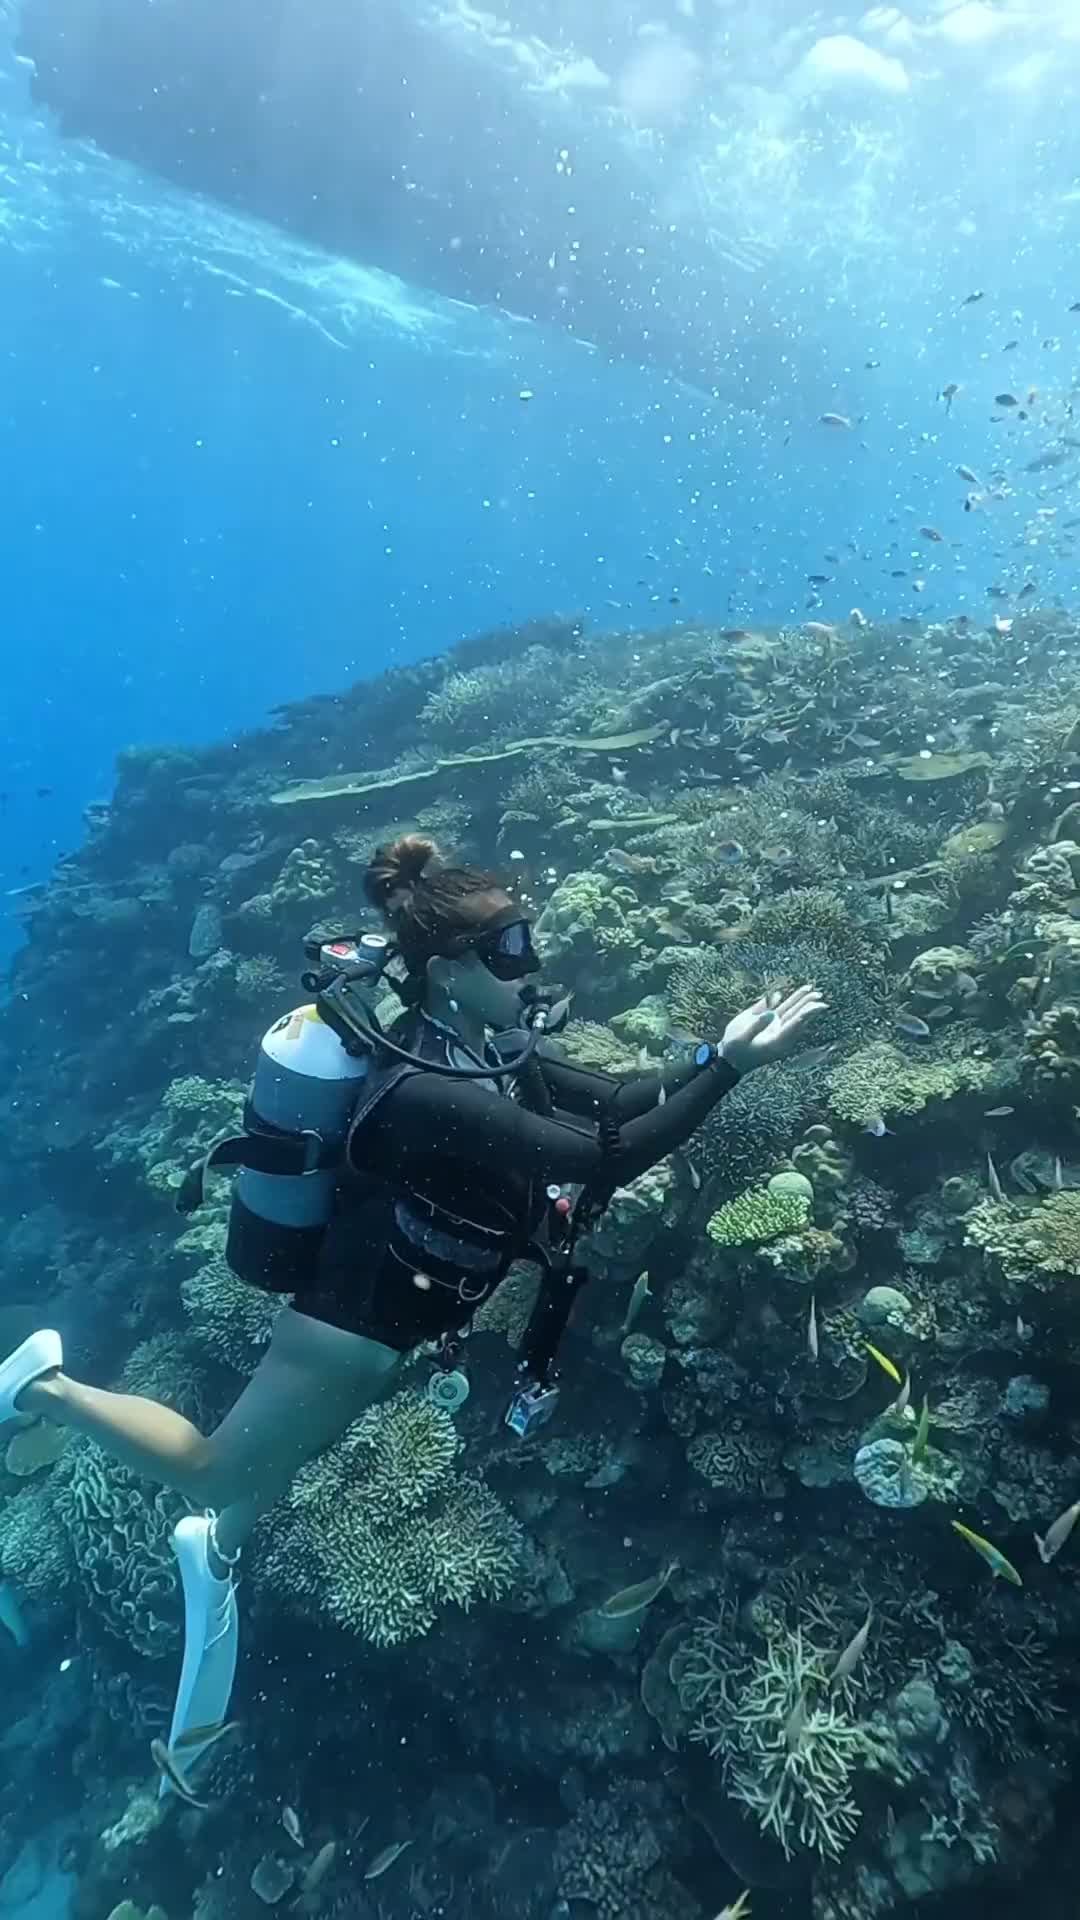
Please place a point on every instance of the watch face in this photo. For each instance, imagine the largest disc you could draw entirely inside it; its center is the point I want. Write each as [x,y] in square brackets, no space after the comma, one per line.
[703,1055]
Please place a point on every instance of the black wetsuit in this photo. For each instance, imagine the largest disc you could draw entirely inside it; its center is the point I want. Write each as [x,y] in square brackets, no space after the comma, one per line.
[445,1182]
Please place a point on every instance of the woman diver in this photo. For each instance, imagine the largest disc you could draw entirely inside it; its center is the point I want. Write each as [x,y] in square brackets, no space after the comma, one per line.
[453,1153]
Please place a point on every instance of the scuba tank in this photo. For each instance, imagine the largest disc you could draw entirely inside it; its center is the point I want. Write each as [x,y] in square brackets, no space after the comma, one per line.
[295,1124]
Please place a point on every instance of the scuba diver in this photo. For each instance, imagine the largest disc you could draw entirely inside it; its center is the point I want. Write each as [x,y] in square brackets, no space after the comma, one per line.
[388,1179]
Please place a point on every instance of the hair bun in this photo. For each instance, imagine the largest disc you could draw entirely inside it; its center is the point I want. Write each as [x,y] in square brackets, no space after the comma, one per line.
[395,870]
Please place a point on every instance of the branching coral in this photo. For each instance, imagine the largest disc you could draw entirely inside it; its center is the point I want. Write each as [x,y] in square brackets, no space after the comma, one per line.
[381,1531]
[879,1079]
[230,1320]
[1038,1244]
[790,1753]
[709,985]
[757,1216]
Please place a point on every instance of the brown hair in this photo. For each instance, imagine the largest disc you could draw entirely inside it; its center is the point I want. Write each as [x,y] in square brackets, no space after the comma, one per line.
[429,906]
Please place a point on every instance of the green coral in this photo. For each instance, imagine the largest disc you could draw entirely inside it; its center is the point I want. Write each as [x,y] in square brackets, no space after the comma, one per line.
[1037,1244]
[381,1531]
[811,913]
[588,1043]
[757,1216]
[879,1079]
[118,1528]
[231,1321]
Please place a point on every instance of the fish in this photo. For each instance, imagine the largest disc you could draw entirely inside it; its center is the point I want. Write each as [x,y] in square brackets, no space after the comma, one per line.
[1023,1331]
[820,629]
[1006,400]
[204,1737]
[692,1172]
[739,1909]
[948,394]
[320,1867]
[795,1724]
[887,1366]
[384,1861]
[899,1406]
[877,1127]
[966,473]
[852,1653]
[661,1098]
[167,1765]
[812,1344]
[970,299]
[817,1056]
[1059,1174]
[630,1600]
[1001,1567]
[290,1820]
[911,1025]
[1056,1535]
[11,1615]
[835,420]
[997,1191]
[922,1434]
[932,534]
[639,1293]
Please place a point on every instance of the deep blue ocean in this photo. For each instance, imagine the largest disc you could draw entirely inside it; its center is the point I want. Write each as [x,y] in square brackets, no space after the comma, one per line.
[241,471]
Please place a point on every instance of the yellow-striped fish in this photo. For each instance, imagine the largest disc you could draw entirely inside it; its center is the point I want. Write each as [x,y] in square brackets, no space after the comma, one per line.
[1001,1567]
[887,1366]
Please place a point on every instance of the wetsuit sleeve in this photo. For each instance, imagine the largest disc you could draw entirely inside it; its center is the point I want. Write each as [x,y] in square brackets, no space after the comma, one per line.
[426,1115]
[582,1091]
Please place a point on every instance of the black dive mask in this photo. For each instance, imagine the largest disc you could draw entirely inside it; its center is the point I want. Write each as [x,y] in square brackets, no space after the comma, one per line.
[508,951]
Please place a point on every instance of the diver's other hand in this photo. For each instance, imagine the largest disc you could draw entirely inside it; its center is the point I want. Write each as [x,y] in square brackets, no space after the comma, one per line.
[763,1033]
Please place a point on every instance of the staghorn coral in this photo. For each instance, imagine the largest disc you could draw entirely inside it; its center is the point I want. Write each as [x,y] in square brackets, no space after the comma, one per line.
[382,1531]
[790,1752]
[231,1321]
[880,1079]
[709,985]
[757,1216]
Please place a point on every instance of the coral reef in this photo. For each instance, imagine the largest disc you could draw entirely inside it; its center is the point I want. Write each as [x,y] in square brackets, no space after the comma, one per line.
[842,1316]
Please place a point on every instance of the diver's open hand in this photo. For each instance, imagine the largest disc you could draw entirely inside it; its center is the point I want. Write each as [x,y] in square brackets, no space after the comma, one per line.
[765,1033]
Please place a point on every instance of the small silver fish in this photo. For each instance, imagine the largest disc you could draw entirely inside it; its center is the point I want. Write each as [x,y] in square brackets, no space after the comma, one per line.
[1057,1534]
[384,1861]
[817,1056]
[639,1293]
[911,1025]
[661,1098]
[899,1406]
[972,479]
[694,1175]
[836,420]
[998,1113]
[319,1867]
[631,1600]
[997,1191]
[290,1820]
[877,1127]
[1023,1330]
[795,1725]
[853,1652]
[167,1764]
[1059,1174]
[812,1343]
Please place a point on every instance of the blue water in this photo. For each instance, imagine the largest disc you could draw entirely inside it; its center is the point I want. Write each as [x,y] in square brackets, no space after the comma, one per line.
[237,476]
